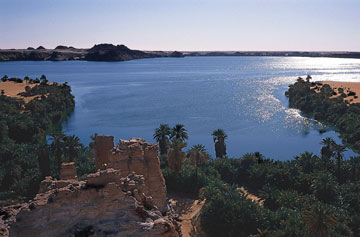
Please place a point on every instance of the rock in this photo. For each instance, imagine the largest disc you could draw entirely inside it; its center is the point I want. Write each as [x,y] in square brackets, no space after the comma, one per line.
[102,177]
[38,55]
[134,155]
[40,48]
[61,47]
[116,207]
[8,216]
[109,52]
[68,171]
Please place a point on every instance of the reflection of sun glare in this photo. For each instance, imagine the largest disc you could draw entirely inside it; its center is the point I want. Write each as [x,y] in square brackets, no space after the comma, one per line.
[264,106]
[328,69]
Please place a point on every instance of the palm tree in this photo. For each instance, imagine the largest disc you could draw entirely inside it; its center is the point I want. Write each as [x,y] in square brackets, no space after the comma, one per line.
[355,167]
[308,78]
[92,143]
[43,160]
[260,157]
[319,221]
[325,187]
[219,137]
[43,79]
[26,79]
[57,146]
[179,132]
[161,135]
[338,151]
[4,78]
[327,149]
[176,156]
[198,156]
[306,161]
[73,147]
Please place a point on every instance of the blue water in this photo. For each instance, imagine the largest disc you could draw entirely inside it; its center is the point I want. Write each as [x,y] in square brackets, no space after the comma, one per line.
[242,95]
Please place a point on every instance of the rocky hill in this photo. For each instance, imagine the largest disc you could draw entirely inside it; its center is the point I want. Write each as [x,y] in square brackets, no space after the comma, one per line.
[109,52]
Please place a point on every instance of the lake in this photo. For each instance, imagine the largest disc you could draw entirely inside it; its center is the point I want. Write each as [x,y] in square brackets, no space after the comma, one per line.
[242,95]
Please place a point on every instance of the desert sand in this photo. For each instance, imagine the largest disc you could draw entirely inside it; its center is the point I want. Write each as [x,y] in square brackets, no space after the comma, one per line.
[347,86]
[12,89]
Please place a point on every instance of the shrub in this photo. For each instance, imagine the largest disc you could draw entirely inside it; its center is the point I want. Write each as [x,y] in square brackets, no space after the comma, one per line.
[229,213]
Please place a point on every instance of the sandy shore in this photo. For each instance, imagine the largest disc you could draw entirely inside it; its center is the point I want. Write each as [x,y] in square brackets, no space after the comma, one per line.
[347,86]
[12,89]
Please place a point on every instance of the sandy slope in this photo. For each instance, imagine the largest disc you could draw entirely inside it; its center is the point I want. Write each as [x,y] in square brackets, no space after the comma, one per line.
[191,215]
[347,86]
[12,89]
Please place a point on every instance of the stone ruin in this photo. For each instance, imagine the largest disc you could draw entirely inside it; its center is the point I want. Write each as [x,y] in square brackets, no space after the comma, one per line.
[68,171]
[125,197]
[135,155]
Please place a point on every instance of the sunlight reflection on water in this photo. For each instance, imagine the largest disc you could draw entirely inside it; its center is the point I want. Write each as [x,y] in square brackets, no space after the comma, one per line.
[242,95]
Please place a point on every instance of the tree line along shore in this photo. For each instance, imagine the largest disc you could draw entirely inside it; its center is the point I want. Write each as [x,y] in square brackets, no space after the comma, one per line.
[333,106]
[306,195]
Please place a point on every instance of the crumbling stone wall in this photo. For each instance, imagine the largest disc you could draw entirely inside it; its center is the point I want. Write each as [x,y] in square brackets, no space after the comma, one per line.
[106,204]
[103,144]
[68,171]
[135,155]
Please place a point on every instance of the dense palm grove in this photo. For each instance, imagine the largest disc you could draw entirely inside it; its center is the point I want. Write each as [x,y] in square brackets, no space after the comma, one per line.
[309,195]
[26,154]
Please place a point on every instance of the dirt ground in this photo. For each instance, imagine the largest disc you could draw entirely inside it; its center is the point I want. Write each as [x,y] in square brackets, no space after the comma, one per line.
[347,86]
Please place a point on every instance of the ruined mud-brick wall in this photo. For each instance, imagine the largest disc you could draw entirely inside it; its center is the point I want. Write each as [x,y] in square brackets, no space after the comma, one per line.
[134,155]
[103,145]
[105,204]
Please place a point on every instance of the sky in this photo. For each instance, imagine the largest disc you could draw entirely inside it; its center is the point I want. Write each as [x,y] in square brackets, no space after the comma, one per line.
[198,25]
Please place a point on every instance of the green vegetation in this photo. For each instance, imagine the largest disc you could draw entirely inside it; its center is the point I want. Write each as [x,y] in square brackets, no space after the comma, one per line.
[27,79]
[314,99]
[26,156]
[309,195]
[179,132]
[161,135]
[219,137]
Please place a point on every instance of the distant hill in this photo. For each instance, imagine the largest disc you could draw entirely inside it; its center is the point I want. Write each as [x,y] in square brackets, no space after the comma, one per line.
[99,52]
[110,52]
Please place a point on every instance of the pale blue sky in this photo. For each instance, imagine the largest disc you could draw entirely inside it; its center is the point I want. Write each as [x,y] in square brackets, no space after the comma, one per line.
[183,24]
